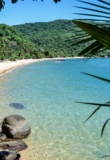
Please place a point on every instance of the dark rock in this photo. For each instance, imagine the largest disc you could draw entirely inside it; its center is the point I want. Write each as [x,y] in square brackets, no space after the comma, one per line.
[4,155]
[13,145]
[15,126]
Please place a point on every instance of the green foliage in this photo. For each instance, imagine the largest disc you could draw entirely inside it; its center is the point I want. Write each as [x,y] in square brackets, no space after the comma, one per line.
[52,37]
[96,29]
[56,37]
[40,40]
[13,46]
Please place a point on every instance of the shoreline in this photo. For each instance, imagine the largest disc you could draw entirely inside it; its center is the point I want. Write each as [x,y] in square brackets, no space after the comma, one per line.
[7,66]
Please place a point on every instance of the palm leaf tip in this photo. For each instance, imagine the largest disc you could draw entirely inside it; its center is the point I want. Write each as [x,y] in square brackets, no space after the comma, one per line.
[103,127]
[93,113]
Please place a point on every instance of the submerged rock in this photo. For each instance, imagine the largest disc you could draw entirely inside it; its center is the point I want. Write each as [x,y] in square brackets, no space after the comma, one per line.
[13,145]
[17,105]
[5,155]
[15,126]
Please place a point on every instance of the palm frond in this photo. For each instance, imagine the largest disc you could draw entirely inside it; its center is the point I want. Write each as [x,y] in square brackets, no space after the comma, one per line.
[93,15]
[96,104]
[83,40]
[93,113]
[96,5]
[94,10]
[97,25]
[92,20]
[99,106]
[101,36]
[100,78]
[103,128]
[104,2]
[91,49]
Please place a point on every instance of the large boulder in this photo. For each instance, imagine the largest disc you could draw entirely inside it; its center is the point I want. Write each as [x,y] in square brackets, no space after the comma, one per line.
[15,126]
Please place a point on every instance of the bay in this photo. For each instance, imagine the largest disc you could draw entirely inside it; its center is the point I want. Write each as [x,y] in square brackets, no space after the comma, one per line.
[46,94]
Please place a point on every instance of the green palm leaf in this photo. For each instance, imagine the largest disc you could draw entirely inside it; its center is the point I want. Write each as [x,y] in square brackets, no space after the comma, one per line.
[98,31]
[103,128]
[93,113]
[95,15]
[104,2]
[94,10]
[100,78]
[96,5]
[91,49]
[83,40]
[96,104]
[99,106]
[101,36]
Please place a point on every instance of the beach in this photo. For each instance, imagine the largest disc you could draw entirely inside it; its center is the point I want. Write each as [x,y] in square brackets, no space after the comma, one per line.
[7,66]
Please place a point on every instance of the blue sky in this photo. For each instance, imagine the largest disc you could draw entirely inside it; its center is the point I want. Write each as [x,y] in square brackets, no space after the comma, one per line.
[37,11]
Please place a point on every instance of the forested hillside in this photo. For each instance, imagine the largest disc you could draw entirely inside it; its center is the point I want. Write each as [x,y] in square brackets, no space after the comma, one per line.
[38,40]
[14,46]
[51,38]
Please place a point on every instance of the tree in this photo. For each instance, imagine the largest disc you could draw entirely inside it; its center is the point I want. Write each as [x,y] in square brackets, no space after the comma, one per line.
[2,2]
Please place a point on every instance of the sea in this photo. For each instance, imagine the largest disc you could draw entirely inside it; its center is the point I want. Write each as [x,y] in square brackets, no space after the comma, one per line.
[51,95]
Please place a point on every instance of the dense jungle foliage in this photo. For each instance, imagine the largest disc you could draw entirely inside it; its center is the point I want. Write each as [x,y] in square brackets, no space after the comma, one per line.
[54,38]
[38,40]
[50,38]
[13,46]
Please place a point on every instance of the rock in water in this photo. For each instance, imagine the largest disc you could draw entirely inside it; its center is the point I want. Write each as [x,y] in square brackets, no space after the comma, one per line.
[4,155]
[14,145]
[15,126]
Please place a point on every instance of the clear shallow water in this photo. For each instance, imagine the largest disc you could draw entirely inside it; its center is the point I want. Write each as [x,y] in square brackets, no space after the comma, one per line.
[48,91]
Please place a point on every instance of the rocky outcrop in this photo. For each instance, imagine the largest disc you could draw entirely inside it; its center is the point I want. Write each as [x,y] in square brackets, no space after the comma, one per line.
[5,155]
[15,126]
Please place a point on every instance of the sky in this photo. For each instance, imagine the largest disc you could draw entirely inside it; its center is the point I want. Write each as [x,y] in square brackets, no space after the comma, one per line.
[37,11]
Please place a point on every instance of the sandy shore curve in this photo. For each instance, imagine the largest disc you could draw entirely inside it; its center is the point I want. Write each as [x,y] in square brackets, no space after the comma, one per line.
[7,66]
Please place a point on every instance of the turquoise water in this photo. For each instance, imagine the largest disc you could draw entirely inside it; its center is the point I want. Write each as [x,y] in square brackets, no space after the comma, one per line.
[48,92]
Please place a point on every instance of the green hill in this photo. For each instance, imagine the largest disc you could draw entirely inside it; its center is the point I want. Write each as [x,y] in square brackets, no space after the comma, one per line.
[50,38]
[14,46]
[41,39]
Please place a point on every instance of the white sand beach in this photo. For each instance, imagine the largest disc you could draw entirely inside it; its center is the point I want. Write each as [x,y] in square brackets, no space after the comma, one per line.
[7,66]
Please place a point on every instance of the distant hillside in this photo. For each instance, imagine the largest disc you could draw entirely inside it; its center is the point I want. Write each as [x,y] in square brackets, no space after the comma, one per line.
[38,40]
[54,38]
[14,46]
[50,38]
